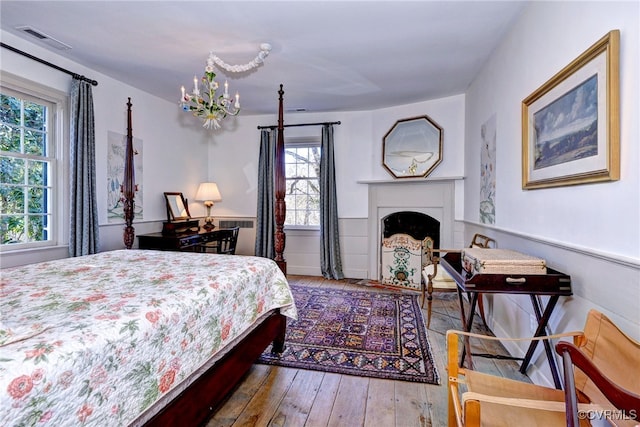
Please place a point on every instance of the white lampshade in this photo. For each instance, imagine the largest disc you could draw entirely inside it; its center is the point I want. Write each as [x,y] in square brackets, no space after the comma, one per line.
[208,192]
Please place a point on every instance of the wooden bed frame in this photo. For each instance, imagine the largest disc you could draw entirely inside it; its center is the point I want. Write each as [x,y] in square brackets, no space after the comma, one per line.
[195,405]
[198,402]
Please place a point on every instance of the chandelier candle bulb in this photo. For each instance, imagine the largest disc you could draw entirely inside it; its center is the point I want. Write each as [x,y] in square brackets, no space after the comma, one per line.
[195,86]
[237,100]
[182,90]
[226,89]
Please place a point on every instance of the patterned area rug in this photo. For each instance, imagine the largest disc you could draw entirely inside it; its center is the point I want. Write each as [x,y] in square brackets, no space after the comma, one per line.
[370,334]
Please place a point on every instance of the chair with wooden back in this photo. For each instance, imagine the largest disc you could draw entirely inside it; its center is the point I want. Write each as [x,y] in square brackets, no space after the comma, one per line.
[223,241]
[437,280]
[601,382]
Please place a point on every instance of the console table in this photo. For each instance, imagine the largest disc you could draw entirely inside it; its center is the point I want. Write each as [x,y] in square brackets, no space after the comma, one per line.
[189,241]
[553,284]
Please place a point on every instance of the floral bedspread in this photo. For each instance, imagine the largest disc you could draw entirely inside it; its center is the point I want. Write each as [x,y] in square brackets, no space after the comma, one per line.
[96,340]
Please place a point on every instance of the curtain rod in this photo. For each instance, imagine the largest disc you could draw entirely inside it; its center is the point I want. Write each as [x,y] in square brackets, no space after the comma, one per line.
[300,124]
[42,61]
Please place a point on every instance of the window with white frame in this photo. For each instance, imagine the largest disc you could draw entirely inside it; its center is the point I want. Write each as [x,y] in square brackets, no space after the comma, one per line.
[28,165]
[302,172]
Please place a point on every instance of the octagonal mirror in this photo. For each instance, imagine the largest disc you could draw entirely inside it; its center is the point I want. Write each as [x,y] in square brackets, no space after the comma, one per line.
[412,147]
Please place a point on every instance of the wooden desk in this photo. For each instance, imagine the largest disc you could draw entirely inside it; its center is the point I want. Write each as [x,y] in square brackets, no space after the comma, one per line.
[189,242]
[553,284]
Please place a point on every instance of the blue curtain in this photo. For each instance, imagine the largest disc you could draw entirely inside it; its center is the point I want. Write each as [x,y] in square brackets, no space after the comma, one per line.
[330,261]
[266,226]
[83,226]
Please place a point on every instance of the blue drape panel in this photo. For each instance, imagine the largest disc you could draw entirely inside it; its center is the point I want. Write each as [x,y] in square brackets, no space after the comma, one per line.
[266,226]
[83,225]
[330,261]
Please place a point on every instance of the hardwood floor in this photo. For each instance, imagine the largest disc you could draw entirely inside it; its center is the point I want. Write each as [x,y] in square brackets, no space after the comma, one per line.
[277,396]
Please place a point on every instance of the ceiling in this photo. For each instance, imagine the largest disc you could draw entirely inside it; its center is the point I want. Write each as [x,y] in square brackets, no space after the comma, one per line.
[330,55]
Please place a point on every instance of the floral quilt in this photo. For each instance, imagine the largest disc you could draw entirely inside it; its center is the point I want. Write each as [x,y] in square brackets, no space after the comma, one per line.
[96,340]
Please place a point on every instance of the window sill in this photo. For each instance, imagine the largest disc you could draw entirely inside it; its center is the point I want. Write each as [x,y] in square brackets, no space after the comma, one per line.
[25,256]
[301,230]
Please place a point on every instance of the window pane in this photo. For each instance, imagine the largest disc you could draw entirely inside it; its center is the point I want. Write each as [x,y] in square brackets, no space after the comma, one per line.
[9,138]
[35,143]
[10,112]
[38,172]
[37,229]
[11,170]
[302,170]
[37,200]
[290,217]
[12,229]
[11,200]
[34,116]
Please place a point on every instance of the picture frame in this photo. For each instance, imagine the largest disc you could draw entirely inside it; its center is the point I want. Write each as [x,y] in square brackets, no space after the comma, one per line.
[571,124]
[412,148]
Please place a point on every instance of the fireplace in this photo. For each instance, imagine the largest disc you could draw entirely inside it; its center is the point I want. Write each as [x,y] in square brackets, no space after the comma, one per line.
[415,224]
[434,198]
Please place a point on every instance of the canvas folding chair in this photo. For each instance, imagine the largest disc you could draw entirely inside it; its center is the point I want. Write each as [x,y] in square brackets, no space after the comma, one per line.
[601,383]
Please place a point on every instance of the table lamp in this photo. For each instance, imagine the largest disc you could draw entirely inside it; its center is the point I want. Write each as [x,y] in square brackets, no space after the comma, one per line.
[208,193]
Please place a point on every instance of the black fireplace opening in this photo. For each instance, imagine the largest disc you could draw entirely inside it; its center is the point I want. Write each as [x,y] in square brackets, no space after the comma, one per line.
[415,224]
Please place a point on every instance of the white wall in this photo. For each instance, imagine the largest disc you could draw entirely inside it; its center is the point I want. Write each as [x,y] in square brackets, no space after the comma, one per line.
[175,152]
[591,232]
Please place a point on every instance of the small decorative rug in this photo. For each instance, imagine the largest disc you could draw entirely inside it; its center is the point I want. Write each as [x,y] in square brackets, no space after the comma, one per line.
[370,334]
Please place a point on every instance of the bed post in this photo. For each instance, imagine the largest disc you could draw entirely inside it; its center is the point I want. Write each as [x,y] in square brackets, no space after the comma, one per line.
[128,187]
[280,207]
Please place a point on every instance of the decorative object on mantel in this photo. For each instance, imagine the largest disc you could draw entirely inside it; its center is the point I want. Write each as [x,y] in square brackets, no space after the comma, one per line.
[205,103]
[412,147]
[208,193]
[129,187]
[571,124]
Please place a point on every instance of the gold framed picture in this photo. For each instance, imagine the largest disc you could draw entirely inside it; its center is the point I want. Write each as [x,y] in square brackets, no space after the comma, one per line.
[571,124]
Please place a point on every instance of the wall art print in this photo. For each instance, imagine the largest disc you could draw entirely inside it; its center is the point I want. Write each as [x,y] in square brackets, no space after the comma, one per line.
[571,124]
[116,145]
[488,171]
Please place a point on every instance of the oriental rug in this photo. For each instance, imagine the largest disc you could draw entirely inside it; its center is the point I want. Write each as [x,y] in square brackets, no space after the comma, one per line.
[369,334]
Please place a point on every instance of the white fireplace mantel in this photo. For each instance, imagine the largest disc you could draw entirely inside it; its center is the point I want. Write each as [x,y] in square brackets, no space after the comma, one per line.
[434,197]
[408,180]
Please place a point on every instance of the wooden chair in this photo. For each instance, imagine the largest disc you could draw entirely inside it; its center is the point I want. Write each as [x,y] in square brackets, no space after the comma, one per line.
[223,241]
[601,381]
[438,280]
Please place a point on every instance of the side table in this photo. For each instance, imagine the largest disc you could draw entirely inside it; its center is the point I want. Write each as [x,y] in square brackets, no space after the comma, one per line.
[553,284]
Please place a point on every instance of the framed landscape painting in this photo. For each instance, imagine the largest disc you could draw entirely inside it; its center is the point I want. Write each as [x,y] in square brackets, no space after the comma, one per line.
[571,124]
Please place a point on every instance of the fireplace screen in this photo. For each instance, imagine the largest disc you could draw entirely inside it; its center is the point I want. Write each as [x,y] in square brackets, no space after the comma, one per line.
[402,251]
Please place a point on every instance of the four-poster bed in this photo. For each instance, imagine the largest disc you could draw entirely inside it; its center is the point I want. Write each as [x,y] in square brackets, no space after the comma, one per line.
[139,337]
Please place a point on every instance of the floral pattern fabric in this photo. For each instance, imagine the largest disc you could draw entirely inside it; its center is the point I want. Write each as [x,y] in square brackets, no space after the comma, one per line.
[96,340]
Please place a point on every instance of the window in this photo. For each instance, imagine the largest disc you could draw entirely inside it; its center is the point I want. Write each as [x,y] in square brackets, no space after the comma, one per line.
[27,170]
[302,170]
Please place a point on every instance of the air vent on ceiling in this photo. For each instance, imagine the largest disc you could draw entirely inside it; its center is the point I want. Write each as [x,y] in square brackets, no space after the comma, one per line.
[44,38]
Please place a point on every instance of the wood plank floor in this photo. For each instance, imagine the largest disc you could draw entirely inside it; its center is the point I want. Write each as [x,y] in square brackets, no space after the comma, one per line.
[277,396]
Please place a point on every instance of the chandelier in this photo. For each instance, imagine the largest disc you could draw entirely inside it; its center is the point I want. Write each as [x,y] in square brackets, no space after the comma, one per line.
[204,102]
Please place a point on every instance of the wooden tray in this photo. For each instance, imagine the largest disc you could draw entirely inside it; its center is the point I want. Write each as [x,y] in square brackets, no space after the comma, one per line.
[551,283]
